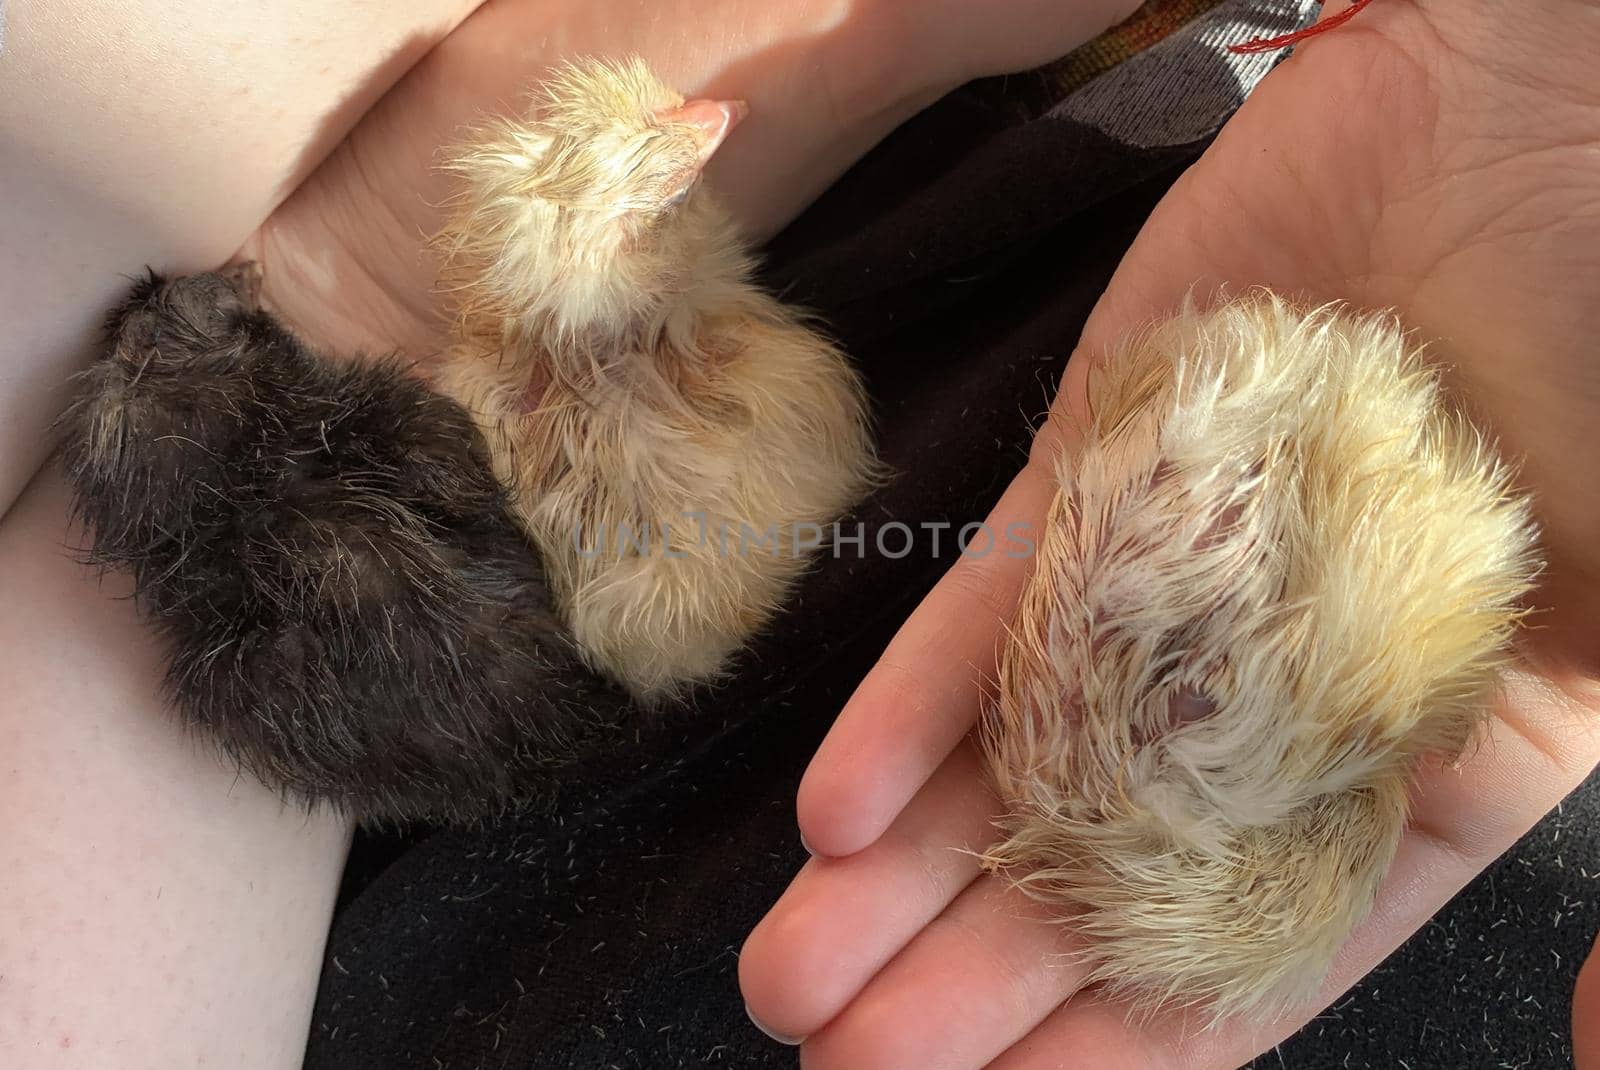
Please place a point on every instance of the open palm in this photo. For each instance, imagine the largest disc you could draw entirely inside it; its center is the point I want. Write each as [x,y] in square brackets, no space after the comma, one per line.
[1432,157]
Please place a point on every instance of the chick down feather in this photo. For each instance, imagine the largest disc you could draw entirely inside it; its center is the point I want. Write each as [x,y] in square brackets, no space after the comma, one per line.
[1280,570]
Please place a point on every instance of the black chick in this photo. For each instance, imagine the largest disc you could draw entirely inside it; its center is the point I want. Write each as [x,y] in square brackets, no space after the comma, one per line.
[353,613]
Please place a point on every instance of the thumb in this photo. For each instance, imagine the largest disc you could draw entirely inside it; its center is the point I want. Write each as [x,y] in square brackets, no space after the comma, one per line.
[1586,1015]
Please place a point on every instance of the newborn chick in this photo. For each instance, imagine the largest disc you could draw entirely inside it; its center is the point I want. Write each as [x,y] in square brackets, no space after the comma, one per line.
[351,610]
[674,437]
[1278,572]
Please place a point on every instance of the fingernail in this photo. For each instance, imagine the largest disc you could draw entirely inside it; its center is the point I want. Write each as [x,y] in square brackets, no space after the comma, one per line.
[809,849]
[792,1042]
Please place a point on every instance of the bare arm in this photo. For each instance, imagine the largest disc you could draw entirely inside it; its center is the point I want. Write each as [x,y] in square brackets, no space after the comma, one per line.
[160,132]
[156,910]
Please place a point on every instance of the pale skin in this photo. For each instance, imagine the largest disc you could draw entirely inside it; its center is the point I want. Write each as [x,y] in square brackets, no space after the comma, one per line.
[1433,157]
[1586,1014]
[160,133]
[156,910]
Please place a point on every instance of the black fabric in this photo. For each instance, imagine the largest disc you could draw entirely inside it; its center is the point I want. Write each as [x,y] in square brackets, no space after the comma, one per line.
[957,264]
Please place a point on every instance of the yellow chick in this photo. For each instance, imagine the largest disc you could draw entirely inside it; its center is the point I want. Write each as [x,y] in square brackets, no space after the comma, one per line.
[1280,570]
[674,437]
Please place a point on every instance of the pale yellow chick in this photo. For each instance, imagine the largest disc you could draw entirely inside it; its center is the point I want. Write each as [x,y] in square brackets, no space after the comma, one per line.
[1281,571]
[670,431]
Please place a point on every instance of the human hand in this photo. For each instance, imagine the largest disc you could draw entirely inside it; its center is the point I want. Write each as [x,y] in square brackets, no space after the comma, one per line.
[1586,1014]
[344,258]
[1431,157]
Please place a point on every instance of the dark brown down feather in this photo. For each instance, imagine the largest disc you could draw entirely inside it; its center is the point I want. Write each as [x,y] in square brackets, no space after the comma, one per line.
[352,613]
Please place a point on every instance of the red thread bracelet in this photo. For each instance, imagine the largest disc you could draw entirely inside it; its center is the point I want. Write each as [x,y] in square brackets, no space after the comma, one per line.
[1273,44]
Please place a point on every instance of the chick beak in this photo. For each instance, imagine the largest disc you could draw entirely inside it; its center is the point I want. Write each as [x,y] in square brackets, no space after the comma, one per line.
[712,120]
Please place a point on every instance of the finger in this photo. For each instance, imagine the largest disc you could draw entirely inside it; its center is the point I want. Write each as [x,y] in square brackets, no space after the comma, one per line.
[976,980]
[923,695]
[1586,1015]
[843,919]
[1087,1031]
